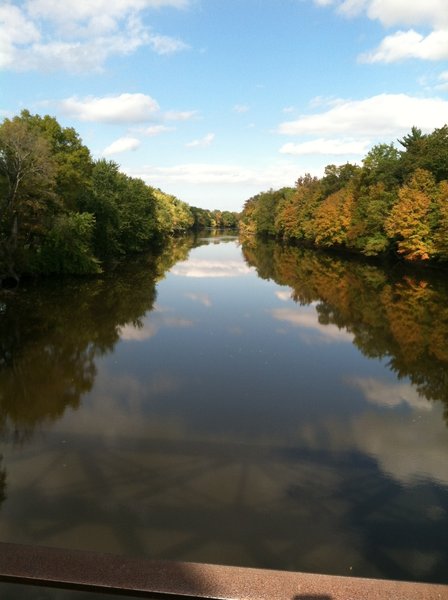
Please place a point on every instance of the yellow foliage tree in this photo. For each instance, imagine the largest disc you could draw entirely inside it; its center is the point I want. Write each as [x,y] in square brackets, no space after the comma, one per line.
[333,218]
[410,219]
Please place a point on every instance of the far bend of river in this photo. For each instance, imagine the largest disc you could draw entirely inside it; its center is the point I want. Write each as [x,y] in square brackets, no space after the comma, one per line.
[250,405]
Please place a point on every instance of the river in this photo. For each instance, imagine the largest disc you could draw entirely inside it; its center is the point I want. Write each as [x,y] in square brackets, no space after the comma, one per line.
[244,404]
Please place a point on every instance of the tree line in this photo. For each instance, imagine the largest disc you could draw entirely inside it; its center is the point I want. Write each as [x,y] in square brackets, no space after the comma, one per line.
[396,201]
[61,211]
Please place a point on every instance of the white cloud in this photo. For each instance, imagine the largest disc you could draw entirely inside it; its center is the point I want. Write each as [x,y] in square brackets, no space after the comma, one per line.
[15,30]
[399,12]
[410,44]
[125,108]
[325,147]
[86,10]
[77,35]
[241,108]
[123,144]
[402,44]
[443,79]
[178,115]
[382,115]
[274,176]
[394,12]
[156,130]
[202,142]
[163,44]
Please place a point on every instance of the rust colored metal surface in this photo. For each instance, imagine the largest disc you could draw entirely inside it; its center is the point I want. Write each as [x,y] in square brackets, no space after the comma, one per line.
[91,571]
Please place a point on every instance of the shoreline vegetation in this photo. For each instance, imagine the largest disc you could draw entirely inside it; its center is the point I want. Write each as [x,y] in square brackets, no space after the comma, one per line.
[62,212]
[395,204]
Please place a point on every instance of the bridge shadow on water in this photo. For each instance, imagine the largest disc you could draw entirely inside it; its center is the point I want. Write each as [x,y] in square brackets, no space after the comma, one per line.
[223,503]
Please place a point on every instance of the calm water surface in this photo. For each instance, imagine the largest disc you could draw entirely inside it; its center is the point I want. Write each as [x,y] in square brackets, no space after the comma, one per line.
[248,405]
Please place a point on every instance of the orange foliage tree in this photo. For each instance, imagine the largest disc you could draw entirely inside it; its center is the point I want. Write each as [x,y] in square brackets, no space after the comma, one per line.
[333,218]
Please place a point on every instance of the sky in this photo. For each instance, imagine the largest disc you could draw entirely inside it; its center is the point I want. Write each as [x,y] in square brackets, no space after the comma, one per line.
[215,101]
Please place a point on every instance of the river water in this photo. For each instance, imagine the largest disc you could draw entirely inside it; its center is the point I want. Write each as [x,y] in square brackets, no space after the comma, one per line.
[244,404]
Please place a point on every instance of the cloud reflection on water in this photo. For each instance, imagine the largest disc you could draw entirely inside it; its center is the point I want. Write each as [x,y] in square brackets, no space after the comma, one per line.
[388,394]
[203,299]
[200,268]
[307,319]
[149,327]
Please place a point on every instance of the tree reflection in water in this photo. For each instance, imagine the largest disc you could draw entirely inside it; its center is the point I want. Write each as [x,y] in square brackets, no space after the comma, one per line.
[52,332]
[402,317]
[274,477]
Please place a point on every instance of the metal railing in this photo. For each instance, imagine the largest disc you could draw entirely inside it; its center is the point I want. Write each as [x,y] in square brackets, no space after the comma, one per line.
[108,573]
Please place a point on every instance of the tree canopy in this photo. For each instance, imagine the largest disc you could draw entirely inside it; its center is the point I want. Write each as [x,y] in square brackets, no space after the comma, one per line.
[61,211]
[395,202]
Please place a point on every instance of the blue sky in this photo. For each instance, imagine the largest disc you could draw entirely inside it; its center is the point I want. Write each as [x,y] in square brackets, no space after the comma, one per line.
[217,100]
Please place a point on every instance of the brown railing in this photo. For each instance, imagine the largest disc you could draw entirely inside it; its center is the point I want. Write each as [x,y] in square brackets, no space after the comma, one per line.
[107,573]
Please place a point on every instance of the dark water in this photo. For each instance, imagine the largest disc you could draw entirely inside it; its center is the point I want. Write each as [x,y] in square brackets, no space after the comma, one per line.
[248,405]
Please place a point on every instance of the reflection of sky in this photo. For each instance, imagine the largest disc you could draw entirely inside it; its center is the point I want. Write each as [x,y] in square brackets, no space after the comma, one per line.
[389,394]
[191,437]
[152,323]
[203,299]
[213,261]
[210,268]
[284,295]
[306,319]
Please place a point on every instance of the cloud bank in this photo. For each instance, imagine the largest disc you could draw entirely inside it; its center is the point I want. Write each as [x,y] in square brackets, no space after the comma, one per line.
[380,115]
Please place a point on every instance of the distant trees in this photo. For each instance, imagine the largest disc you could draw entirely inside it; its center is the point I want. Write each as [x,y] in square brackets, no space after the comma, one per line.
[215,219]
[63,212]
[397,201]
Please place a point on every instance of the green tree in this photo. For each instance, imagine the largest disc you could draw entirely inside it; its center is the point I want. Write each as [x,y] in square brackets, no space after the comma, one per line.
[337,177]
[73,160]
[202,218]
[172,215]
[137,215]
[102,201]
[372,207]
[435,159]
[381,166]
[27,171]
[68,246]
[440,234]
[266,208]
